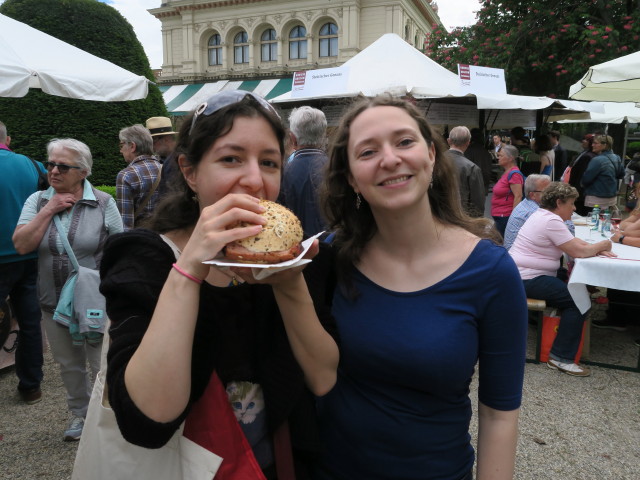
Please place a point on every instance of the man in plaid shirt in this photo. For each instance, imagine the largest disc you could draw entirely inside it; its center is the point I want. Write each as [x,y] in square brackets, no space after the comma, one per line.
[136,185]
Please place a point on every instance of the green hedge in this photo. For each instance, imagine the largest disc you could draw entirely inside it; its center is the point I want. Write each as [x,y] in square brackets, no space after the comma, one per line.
[633,147]
[106,189]
[32,121]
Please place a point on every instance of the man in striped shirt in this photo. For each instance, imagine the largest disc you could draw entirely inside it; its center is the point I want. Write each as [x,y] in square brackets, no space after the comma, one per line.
[136,185]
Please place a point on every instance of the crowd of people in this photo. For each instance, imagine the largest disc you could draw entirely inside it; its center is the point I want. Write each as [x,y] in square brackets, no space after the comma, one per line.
[357,366]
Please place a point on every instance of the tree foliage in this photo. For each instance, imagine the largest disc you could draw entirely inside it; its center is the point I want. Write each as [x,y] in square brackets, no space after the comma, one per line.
[544,47]
[37,118]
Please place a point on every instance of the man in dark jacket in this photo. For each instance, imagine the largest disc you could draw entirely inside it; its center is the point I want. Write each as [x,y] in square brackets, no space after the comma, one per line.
[561,155]
[303,172]
[472,190]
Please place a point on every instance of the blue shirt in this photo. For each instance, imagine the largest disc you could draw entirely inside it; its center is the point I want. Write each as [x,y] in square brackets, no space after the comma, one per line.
[18,180]
[519,215]
[401,406]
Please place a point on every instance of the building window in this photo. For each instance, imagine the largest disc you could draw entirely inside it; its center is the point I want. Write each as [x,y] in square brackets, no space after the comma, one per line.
[269,46]
[298,43]
[329,40]
[215,50]
[241,48]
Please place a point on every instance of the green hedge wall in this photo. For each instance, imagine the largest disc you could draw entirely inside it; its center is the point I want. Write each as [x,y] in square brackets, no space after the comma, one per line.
[106,189]
[35,119]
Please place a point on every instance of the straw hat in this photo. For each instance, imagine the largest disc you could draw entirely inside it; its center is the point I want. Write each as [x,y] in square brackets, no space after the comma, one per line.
[159,126]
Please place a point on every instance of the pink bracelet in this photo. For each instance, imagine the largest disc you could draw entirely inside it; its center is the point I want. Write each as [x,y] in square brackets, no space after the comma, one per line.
[186,274]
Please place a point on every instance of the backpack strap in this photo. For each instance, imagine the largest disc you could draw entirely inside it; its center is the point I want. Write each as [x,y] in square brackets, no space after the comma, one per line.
[148,196]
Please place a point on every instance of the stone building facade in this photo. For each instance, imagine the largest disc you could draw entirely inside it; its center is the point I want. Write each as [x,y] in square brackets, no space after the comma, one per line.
[207,41]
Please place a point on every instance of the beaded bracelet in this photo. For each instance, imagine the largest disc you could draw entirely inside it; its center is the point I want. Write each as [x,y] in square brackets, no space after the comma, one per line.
[186,274]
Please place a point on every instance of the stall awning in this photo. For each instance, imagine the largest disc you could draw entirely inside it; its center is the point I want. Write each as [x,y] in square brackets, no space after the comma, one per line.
[181,99]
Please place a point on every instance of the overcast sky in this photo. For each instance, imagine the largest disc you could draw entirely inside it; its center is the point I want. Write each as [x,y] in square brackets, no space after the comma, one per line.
[147,27]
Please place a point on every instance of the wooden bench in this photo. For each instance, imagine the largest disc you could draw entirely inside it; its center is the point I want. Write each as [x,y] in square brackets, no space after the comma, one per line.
[538,307]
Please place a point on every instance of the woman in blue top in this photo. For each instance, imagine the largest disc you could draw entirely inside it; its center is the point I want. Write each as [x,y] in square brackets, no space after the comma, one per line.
[544,148]
[600,179]
[421,298]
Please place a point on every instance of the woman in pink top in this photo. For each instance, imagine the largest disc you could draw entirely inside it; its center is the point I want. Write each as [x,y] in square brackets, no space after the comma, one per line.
[507,192]
[537,250]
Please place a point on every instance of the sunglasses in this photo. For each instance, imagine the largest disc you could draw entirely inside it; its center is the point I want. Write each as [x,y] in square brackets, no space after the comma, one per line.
[62,168]
[224,99]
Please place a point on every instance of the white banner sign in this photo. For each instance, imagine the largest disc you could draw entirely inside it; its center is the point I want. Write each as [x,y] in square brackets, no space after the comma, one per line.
[311,83]
[482,80]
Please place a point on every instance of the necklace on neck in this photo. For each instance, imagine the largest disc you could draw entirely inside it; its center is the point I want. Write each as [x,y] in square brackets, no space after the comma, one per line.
[234,281]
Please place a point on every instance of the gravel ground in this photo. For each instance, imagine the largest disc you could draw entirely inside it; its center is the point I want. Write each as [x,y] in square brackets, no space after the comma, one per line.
[570,428]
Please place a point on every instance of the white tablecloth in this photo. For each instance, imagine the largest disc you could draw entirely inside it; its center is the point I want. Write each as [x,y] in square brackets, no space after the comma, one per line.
[621,273]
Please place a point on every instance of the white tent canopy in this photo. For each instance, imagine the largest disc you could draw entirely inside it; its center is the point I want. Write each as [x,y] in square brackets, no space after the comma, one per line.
[30,58]
[612,113]
[392,65]
[617,80]
[524,102]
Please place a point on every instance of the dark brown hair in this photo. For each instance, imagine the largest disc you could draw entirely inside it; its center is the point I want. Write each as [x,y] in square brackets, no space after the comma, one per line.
[355,227]
[178,209]
[543,143]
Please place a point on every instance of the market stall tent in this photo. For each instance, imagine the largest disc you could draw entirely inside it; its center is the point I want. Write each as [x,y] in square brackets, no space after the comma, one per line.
[30,58]
[617,80]
[392,65]
[613,113]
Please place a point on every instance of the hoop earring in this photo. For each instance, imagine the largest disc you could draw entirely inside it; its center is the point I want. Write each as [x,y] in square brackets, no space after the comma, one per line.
[358,201]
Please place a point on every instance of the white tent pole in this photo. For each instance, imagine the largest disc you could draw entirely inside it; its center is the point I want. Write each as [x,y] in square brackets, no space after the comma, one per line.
[626,136]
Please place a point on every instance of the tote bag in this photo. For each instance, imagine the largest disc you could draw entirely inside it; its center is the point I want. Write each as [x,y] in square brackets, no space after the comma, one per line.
[104,454]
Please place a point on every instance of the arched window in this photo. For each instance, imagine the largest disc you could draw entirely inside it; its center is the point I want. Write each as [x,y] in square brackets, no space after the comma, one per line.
[241,48]
[215,50]
[329,40]
[298,43]
[268,46]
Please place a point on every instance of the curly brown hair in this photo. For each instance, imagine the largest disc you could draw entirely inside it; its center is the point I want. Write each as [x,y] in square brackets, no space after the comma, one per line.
[355,227]
[557,191]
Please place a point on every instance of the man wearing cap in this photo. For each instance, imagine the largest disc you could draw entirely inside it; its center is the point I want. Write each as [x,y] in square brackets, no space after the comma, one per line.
[164,139]
[164,144]
[137,184]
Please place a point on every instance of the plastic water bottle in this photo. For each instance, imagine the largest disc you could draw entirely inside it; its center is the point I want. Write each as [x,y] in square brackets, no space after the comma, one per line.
[595,217]
[606,225]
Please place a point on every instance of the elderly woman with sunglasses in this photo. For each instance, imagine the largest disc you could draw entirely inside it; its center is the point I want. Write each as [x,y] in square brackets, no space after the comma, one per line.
[182,331]
[87,217]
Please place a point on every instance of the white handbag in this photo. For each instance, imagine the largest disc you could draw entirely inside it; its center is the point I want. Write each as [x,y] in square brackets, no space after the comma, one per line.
[104,454]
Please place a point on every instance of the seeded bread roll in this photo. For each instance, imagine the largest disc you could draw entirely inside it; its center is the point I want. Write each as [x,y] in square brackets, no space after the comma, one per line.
[278,241]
